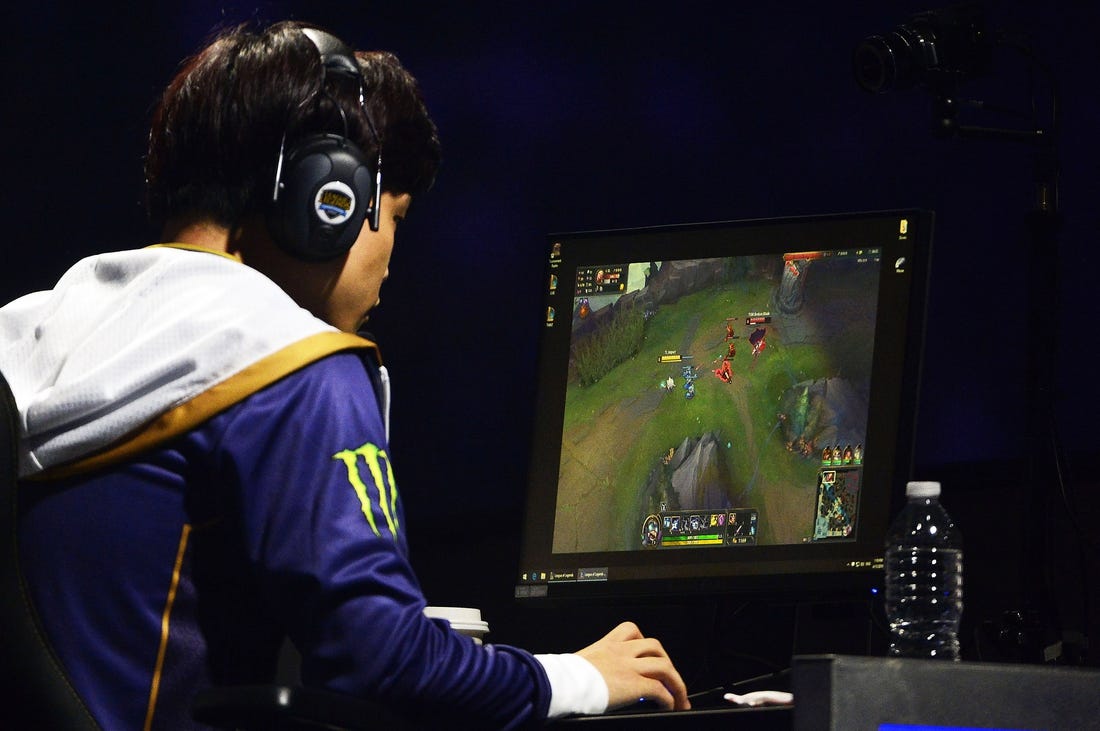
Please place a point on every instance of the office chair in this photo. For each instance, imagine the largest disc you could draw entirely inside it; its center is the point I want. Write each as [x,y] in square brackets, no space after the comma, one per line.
[33,681]
[36,693]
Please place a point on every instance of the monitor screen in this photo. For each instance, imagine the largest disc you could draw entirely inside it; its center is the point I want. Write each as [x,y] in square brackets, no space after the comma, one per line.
[724,406]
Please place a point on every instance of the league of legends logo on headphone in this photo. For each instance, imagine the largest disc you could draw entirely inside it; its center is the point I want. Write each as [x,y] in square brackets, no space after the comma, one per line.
[334,203]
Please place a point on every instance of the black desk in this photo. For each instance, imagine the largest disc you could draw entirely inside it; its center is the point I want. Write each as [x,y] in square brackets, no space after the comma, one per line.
[834,693]
[845,693]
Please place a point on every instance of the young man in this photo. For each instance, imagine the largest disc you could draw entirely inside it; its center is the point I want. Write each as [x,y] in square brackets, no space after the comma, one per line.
[203,455]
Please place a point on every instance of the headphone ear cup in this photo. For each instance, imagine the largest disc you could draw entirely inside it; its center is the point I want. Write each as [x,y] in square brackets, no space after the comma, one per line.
[322,199]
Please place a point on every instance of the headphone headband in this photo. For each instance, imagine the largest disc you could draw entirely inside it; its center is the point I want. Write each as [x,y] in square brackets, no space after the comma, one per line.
[336,56]
[324,188]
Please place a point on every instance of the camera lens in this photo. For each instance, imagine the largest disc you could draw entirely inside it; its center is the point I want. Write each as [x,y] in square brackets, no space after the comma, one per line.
[875,64]
[935,49]
[896,60]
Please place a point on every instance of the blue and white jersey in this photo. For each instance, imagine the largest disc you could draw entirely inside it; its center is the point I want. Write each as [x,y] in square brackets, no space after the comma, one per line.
[244,494]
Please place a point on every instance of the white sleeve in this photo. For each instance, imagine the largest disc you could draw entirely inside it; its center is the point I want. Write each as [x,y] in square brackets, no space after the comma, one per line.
[576,686]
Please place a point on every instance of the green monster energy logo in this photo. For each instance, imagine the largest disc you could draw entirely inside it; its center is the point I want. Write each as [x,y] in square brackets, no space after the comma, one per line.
[373,457]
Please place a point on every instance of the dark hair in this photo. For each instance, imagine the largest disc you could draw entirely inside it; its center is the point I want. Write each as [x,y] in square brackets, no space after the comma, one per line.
[216,133]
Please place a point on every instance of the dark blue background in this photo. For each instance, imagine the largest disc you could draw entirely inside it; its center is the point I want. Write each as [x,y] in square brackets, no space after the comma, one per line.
[576,115]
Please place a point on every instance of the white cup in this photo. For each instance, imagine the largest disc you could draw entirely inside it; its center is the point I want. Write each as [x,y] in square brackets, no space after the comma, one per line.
[464,620]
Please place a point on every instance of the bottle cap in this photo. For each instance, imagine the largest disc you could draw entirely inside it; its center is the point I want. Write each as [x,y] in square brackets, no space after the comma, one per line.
[922,489]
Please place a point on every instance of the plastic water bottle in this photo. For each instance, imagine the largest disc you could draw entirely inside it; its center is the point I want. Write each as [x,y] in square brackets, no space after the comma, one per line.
[924,593]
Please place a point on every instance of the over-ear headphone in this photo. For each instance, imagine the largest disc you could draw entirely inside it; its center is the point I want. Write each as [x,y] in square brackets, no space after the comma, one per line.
[324,188]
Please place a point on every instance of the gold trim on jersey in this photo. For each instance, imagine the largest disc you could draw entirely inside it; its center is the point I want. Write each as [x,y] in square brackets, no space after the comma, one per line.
[219,397]
[165,623]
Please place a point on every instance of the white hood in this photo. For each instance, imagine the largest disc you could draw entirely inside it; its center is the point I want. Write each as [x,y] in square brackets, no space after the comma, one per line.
[126,336]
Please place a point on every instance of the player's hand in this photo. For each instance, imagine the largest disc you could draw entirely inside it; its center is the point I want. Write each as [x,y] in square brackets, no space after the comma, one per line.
[635,666]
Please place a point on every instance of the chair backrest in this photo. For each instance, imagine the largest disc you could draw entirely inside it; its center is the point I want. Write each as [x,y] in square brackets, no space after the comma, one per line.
[32,680]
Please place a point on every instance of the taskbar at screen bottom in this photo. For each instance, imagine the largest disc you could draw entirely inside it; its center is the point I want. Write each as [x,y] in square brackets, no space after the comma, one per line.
[864,574]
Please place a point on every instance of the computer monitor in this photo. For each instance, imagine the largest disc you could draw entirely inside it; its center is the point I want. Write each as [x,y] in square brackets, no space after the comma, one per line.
[724,407]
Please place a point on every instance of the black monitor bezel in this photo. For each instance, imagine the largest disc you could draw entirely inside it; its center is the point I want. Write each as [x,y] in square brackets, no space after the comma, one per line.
[797,570]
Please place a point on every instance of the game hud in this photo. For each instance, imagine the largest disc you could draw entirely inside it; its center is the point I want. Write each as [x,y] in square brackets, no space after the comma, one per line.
[715,402]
